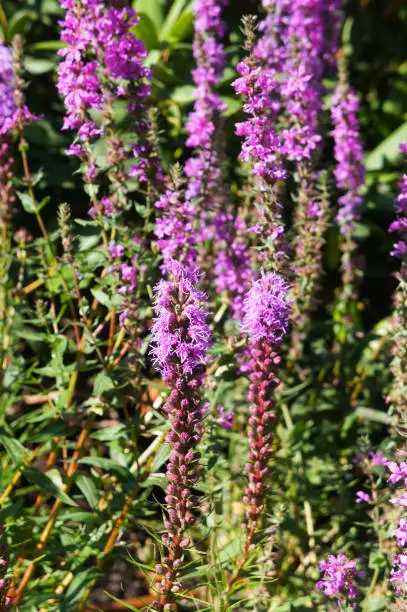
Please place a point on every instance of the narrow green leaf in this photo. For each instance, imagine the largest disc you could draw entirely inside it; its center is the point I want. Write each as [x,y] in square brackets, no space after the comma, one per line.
[13,447]
[87,485]
[152,8]
[108,465]
[48,484]
[388,149]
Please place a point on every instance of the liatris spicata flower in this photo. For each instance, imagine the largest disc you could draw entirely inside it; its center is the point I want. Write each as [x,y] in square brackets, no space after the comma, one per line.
[266,320]
[398,394]
[338,578]
[261,144]
[180,338]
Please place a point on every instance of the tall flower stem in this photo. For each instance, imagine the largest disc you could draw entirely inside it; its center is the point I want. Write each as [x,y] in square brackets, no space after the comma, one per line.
[180,340]
[266,320]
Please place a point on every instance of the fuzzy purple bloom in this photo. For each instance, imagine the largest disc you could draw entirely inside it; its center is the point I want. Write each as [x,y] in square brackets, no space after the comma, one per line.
[266,318]
[267,309]
[180,339]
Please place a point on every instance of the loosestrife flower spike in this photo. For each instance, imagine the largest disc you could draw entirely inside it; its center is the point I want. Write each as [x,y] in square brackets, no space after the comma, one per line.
[180,339]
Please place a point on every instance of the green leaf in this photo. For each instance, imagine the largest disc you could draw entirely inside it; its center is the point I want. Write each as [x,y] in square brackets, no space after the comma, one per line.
[87,485]
[109,434]
[20,22]
[184,94]
[102,383]
[182,27]
[13,447]
[50,482]
[174,13]
[388,149]
[27,202]
[152,8]
[161,457]
[109,466]
[34,65]
[48,45]
[146,30]
[102,297]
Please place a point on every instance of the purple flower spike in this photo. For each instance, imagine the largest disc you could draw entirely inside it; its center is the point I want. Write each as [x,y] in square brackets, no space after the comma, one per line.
[267,310]
[349,172]
[180,339]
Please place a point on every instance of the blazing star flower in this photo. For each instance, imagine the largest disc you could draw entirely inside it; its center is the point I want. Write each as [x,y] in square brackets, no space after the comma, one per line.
[266,318]
[267,309]
[180,339]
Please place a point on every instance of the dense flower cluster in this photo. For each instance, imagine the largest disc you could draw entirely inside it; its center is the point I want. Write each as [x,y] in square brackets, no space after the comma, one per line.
[398,394]
[349,172]
[209,55]
[175,228]
[103,62]
[267,310]
[7,111]
[338,577]
[7,102]
[400,224]
[180,338]
[266,319]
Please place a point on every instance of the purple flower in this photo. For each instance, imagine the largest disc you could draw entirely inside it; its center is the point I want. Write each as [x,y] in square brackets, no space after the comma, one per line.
[175,227]
[338,577]
[398,575]
[400,224]
[397,472]
[102,62]
[349,172]
[7,103]
[362,497]
[225,418]
[266,318]
[401,533]
[180,339]
[267,309]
